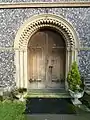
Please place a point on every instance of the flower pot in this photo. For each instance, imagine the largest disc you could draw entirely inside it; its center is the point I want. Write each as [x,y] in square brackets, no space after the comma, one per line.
[76,96]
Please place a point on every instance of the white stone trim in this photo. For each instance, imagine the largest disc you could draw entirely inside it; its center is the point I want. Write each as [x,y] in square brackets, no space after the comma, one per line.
[45,4]
[31,26]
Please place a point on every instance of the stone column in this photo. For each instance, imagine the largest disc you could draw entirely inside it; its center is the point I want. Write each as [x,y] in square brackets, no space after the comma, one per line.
[17,63]
[21,69]
[73,56]
[76,54]
[67,66]
[25,70]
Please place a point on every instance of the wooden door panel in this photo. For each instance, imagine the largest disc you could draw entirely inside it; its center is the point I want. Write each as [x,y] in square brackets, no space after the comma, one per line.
[56,64]
[37,62]
[56,56]
[37,67]
[47,59]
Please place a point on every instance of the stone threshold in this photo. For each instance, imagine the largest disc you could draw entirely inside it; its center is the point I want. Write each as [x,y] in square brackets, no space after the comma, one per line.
[47,94]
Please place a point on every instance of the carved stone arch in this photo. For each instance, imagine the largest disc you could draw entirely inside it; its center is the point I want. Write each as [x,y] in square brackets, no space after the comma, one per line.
[31,26]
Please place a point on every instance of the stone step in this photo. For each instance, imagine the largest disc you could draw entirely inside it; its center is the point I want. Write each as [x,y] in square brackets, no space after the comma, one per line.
[48,93]
[87,87]
[29,95]
[86,82]
[47,90]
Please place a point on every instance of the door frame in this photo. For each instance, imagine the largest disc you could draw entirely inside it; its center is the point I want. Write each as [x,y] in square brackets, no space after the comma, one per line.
[24,34]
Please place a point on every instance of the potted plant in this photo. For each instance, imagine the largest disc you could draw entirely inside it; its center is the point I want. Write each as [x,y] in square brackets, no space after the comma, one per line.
[75,83]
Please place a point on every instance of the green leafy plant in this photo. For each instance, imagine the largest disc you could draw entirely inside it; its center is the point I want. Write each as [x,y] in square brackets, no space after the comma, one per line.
[12,110]
[74,79]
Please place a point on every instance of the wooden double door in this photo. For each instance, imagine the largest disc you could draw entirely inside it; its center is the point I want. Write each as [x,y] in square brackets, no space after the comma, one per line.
[46,60]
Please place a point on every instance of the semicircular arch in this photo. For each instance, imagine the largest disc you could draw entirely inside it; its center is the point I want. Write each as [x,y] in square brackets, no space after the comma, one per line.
[26,31]
[46,20]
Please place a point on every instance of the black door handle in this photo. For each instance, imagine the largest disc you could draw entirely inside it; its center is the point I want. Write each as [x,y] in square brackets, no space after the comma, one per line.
[51,67]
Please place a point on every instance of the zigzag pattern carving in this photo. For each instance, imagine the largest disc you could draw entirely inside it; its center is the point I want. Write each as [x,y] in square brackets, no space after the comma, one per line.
[52,23]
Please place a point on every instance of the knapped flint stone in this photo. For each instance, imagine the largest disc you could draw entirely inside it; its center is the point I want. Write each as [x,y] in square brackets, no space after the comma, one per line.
[12,19]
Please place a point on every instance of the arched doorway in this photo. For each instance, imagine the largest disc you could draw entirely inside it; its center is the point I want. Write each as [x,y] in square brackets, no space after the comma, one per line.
[46,60]
[26,34]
